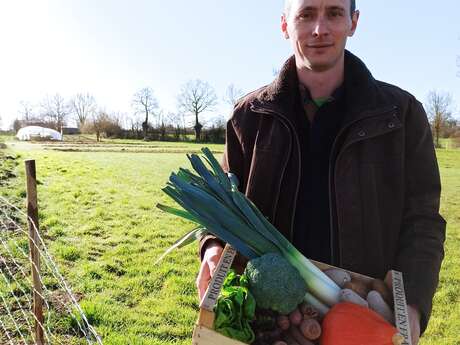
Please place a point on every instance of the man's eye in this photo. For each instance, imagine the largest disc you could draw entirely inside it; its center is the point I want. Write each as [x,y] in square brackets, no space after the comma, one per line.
[335,14]
[305,16]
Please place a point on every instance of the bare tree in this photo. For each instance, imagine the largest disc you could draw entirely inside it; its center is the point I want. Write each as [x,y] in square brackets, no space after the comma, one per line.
[439,112]
[55,111]
[102,122]
[98,122]
[176,121]
[83,106]
[232,94]
[123,119]
[196,97]
[144,102]
[17,125]
[26,110]
[135,125]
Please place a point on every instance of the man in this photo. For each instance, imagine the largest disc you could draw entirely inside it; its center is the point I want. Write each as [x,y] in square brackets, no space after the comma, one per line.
[343,165]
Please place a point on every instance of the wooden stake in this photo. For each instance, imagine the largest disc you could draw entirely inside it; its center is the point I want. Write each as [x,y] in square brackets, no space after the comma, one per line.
[32,213]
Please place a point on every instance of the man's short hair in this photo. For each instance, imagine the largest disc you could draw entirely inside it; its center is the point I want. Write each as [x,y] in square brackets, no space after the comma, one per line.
[287,7]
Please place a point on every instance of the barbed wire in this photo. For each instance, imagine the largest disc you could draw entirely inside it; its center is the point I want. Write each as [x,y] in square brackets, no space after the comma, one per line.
[17,318]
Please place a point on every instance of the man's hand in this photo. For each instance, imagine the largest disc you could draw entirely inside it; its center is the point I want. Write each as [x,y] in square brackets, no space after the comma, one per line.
[414,322]
[208,266]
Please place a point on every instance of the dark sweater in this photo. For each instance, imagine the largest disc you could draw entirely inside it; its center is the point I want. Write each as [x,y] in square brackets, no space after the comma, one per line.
[312,218]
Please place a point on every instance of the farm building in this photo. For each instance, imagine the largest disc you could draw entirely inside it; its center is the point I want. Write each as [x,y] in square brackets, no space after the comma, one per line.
[70,130]
[38,133]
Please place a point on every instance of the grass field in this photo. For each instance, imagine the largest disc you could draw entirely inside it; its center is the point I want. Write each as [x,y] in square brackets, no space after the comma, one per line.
[98,211]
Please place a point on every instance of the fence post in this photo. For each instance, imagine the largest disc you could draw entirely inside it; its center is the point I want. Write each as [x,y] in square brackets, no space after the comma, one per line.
[32,221]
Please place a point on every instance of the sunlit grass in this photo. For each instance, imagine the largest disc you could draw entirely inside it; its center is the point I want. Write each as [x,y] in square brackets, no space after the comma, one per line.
[97,210]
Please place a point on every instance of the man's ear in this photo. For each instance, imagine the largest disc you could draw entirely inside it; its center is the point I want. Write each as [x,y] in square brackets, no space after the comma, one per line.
[354,23]
[284,26]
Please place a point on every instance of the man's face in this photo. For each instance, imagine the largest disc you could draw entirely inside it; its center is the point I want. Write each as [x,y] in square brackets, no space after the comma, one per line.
[318,30]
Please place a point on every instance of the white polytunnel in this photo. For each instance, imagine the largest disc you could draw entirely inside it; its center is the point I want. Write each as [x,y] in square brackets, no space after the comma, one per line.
[37,132]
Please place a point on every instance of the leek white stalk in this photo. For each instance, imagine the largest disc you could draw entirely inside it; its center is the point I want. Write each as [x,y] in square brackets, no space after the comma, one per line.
[320,307]
[320,285]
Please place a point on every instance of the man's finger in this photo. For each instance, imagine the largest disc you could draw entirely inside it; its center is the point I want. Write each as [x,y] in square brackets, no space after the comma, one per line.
[389,280]
[212,264]
[203,278]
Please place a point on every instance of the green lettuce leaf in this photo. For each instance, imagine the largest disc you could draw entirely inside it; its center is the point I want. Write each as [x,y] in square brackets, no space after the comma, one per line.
[235,309]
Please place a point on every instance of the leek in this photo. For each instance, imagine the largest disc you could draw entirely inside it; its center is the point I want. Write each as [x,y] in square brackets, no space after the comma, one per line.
[211,199]
[320,307]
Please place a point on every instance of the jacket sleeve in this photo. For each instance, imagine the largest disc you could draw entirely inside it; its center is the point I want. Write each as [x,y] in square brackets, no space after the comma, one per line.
[421,243]
[232,162]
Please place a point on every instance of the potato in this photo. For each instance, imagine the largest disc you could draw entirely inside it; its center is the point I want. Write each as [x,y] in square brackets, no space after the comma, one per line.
[359,287]
[379,286]
[295,317]
[340,277]
[348,295]
[378,304]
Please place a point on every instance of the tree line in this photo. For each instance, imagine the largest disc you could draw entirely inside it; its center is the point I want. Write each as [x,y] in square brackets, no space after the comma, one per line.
[147,120]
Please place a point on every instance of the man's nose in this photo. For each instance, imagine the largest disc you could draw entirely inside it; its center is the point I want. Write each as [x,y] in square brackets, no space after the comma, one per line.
[320,27]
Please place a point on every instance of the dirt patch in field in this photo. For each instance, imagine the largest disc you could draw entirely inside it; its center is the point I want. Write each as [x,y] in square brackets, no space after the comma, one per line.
[61,301]
[124,149]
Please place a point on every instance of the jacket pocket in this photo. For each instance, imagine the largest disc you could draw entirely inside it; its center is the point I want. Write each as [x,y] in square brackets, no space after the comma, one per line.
[383,149]
[382,204]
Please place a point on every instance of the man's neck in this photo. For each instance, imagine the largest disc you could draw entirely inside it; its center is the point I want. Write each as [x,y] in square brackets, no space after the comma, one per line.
[322,84]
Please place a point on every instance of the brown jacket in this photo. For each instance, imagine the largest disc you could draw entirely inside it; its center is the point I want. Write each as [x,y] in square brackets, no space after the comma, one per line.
[385,187]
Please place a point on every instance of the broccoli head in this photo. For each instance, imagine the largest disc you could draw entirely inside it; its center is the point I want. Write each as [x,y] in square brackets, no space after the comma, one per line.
[275,283]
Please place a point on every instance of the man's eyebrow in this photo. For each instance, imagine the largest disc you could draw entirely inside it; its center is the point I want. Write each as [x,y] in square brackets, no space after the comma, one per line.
[307,8]
[336,8]
[312,8]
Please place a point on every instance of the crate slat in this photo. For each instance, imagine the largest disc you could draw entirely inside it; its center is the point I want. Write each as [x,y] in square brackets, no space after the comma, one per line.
[205,336]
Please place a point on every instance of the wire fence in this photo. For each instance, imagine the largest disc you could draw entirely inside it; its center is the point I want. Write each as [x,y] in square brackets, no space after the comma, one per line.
[63,321]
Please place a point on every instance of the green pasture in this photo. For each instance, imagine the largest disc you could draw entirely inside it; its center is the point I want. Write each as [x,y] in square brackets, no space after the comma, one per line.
[97,212]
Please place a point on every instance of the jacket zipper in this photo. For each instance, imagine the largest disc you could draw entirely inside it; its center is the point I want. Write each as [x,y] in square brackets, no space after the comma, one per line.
[332,202]
[332,179]
[289,126]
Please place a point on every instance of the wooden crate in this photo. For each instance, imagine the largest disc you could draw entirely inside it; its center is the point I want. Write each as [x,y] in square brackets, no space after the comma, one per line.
[204,333]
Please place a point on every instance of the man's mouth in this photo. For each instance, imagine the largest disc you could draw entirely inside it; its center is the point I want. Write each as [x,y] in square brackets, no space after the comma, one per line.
[319,45]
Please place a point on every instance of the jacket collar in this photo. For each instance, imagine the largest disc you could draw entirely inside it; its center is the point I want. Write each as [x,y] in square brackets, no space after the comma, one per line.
[361,90]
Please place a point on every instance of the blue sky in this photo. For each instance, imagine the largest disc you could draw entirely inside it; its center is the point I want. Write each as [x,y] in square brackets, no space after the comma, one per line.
[113,48]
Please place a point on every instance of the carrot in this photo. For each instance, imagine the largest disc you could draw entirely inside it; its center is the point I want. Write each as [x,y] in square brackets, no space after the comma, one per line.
[298,336]
[308,311]
[310,329]
[283,322]
[289,339]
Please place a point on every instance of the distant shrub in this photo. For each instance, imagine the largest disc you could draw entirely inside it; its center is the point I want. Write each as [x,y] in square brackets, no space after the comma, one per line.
[215,134]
